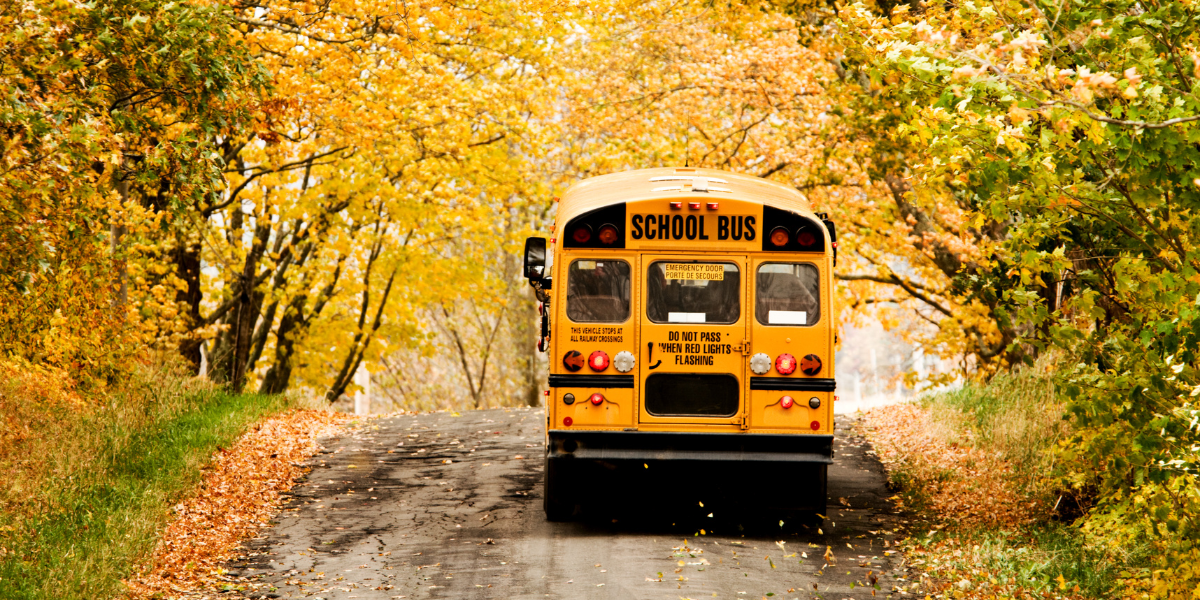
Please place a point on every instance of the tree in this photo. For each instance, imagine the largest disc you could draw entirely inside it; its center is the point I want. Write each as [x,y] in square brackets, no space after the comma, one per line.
[105,128]
[1067,132]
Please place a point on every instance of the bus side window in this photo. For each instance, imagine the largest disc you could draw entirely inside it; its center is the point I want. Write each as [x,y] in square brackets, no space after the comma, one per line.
[598,291]
[788,294]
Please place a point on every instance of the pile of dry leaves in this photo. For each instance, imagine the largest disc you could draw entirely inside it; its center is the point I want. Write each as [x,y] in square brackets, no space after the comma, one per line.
[240,493]
[961,485]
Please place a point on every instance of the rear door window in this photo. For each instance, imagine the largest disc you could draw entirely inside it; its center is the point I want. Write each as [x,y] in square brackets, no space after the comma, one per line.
[693,292]
[788,294]
[598,291]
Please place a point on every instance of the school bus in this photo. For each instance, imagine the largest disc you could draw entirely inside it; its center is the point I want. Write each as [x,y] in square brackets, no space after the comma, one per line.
[689,318]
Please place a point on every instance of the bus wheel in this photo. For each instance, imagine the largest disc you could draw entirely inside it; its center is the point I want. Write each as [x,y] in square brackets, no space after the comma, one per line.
[558,502]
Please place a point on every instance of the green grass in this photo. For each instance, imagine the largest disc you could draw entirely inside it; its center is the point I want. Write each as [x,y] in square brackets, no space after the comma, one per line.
[1033,558]
[1014,414]
[1018,417]
[83,499]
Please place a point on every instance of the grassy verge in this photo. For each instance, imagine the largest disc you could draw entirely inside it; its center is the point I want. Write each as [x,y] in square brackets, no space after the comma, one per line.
[86,489]
[975,466]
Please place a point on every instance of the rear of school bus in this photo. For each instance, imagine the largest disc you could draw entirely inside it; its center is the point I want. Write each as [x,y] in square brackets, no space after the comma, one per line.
[690,328]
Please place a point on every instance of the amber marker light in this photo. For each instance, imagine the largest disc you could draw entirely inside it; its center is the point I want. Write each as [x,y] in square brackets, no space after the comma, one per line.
[779,237]
[608,234]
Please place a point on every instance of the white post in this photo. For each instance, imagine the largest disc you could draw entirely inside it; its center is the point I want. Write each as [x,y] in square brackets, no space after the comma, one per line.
[362,398]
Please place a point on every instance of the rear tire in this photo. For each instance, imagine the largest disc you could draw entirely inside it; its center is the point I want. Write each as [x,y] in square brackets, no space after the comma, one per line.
[558,503]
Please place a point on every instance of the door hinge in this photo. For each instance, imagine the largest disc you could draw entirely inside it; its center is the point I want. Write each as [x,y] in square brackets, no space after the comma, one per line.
[743,347]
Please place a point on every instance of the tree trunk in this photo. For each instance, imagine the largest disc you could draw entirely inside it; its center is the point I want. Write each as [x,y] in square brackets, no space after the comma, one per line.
[187,268]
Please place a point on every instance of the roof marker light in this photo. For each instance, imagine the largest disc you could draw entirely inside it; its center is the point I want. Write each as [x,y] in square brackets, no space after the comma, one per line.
[694,205]
[712,206]
[676,205]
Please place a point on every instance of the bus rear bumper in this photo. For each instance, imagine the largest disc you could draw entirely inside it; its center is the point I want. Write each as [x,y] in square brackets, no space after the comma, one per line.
[642,446]
[721,467]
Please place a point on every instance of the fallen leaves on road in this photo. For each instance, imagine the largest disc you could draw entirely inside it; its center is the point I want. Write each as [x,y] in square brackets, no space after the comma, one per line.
[239,494]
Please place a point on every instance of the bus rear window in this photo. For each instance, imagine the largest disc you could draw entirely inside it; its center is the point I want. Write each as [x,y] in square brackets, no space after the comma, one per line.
[598,291]
[788,294]
[693,293]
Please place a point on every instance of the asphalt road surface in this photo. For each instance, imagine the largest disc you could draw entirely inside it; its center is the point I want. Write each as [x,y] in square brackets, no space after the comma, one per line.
[444,506]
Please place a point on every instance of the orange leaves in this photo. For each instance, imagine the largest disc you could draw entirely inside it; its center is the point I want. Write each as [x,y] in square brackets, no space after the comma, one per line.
[239,494]
[965,486]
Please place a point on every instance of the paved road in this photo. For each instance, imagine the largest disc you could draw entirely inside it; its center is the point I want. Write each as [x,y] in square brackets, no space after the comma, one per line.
[444,506]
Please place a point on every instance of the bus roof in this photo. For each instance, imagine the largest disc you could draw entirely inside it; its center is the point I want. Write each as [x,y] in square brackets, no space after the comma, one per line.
[630,186]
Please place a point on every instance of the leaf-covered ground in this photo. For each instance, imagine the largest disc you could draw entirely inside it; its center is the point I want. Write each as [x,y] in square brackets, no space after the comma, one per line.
[979,533]
[239,494]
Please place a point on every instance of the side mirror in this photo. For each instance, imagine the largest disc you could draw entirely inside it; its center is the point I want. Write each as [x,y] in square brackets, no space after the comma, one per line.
[535,258]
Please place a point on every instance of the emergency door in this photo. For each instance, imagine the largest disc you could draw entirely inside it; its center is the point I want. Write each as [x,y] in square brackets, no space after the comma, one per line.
[693,328]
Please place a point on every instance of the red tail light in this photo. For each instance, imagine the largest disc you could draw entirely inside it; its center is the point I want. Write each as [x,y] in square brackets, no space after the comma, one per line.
[598,361]
[806,238]
[597,399]
[815,425]
[779,237]
[786,402]
[785,364]
[582,234]
[608,234]
[567,421]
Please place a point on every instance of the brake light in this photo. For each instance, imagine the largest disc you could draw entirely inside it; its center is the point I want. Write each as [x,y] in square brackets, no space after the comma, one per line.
[597,399]
[815,425]
[786,402]
[694,205]
[598,361]
[806,238]
[608,234]
[785,364]
[779,237]
[582,234]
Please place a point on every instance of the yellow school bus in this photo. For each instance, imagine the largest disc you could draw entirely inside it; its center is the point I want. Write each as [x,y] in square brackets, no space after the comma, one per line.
[689,318]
